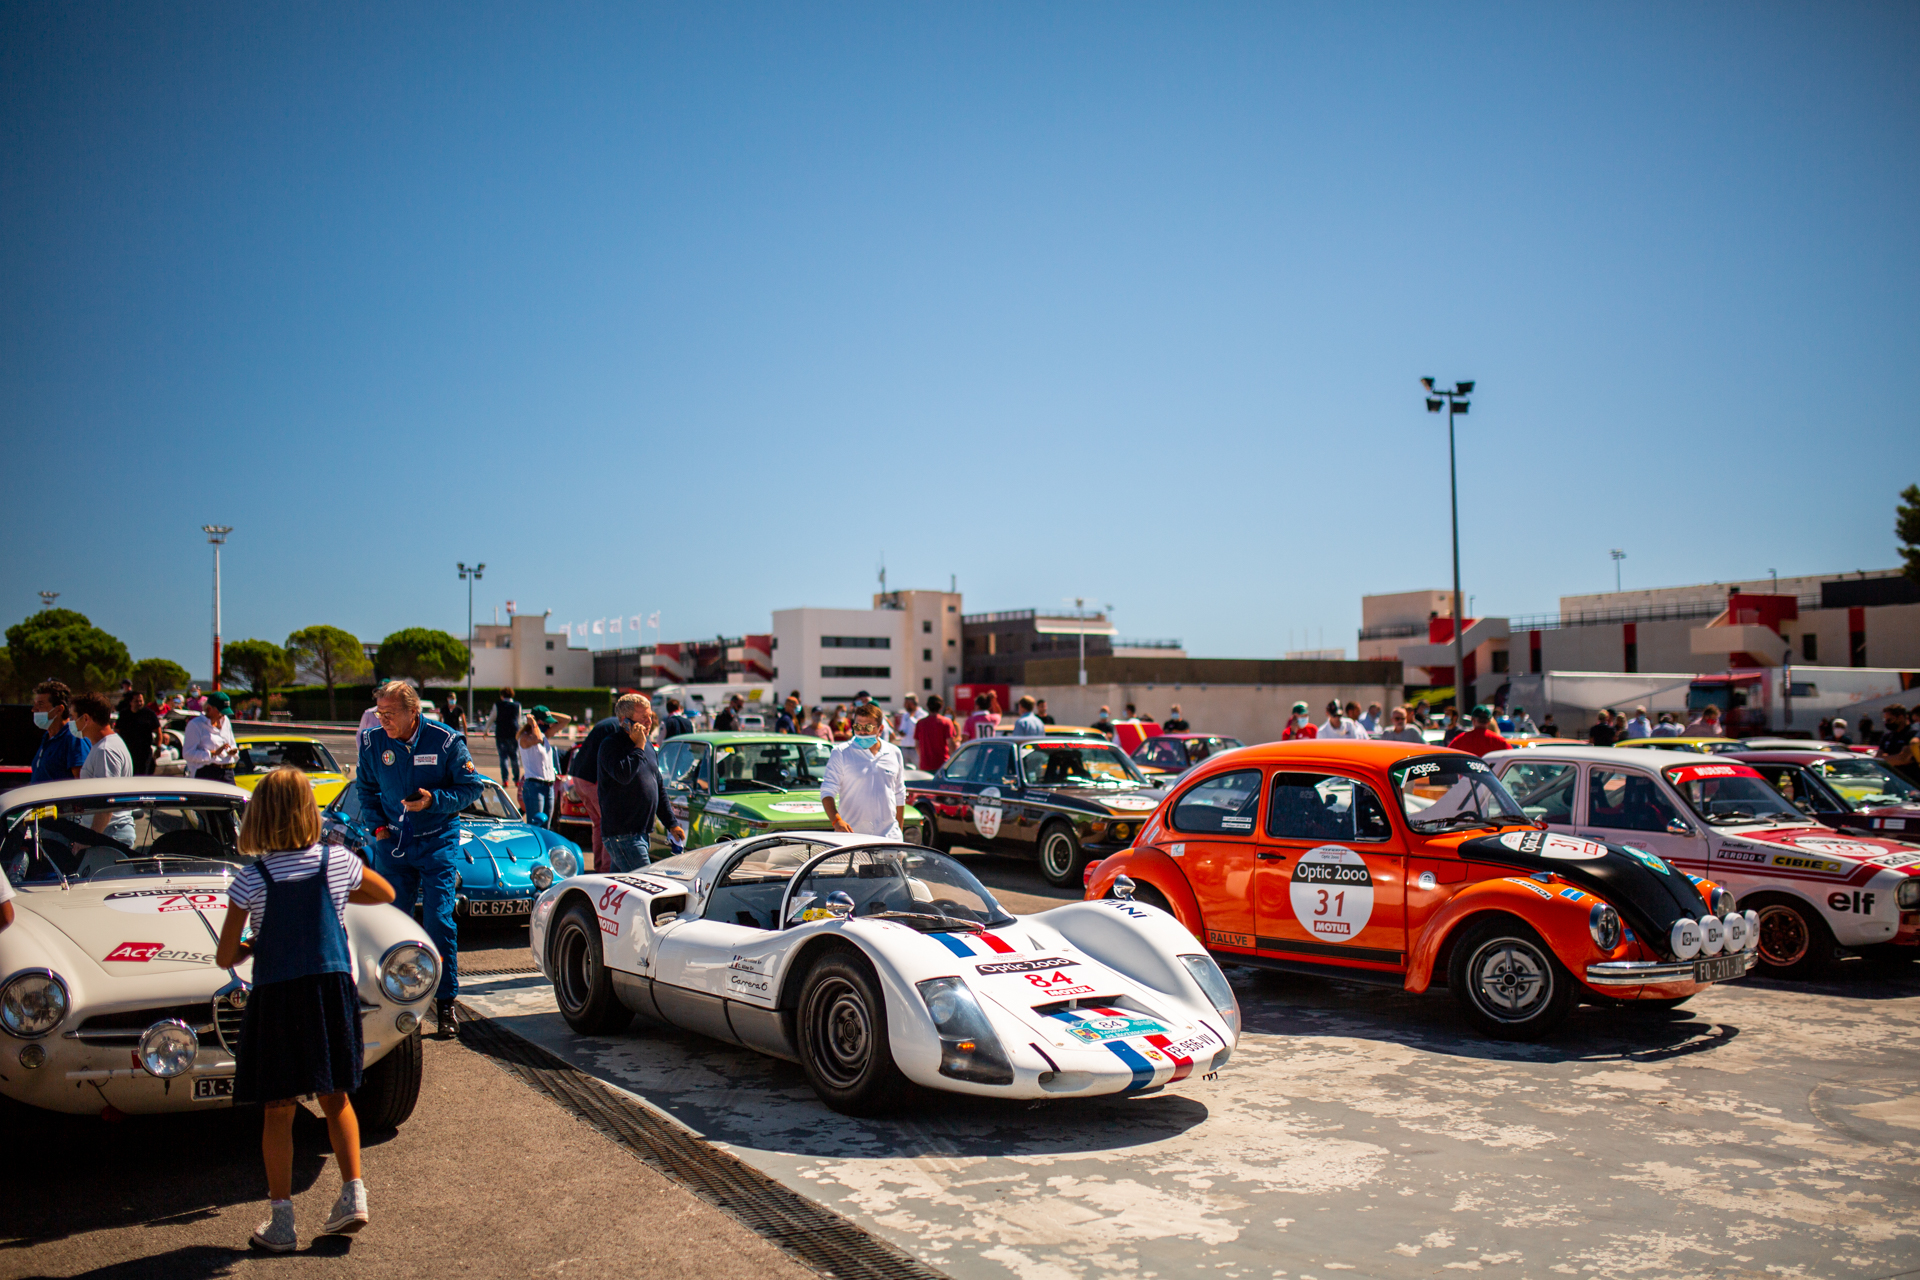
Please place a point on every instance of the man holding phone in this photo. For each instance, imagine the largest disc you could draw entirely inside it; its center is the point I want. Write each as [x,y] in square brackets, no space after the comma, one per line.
[415,775]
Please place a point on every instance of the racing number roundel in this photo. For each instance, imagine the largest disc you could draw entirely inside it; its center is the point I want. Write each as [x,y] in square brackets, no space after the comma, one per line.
[1332,893]
[986,812]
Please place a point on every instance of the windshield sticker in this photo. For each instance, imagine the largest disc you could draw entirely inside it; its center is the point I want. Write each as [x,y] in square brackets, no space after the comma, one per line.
[987,812]
[1838,848]
[1133,802]
[1800,862]
[161,902]
[1548,845]
[1650,861]
[141,952]
[1702,772]
[1895,859]
[1332,893]
[1420,770]
[797,806]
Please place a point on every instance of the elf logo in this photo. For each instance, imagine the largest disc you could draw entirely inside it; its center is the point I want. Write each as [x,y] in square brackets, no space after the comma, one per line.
[1858,902]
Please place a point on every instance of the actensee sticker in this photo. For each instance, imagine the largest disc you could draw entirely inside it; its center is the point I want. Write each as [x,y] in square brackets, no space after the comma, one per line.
[1332,893]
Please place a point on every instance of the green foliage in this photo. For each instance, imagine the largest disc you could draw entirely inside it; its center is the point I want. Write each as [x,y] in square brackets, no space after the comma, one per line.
[329,655]
[60,644]
[1906,527]
[152,676]
[10,687]
[262,663]
[422,654]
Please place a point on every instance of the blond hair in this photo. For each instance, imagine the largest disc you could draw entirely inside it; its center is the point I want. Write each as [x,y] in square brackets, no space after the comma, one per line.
[281,815]
[626,700]
[402,692]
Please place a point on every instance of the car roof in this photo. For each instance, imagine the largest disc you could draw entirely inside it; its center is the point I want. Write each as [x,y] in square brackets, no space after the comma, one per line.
[1677,738]
[741,737]
[1645,757]
[1784,755]
[1340,750]
[277,737]
[107,788]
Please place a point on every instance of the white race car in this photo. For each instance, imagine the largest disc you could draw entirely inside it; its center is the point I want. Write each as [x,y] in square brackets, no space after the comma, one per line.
[873,963]
[109,997]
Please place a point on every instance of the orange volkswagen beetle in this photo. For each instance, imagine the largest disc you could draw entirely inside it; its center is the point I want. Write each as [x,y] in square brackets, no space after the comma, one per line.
[1406,864]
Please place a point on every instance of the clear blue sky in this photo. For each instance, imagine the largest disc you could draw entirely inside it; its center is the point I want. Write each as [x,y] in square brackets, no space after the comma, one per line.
[702,309]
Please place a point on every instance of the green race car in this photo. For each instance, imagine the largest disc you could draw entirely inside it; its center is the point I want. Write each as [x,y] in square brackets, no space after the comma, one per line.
[725,786]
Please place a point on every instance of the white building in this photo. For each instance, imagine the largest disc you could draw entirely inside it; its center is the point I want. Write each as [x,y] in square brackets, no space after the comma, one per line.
[523,654]
[909,642]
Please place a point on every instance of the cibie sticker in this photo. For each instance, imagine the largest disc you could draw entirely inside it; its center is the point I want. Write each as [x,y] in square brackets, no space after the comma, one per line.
[162,902]
[797,806]
[986,812]
[1548,845]
[1332,893]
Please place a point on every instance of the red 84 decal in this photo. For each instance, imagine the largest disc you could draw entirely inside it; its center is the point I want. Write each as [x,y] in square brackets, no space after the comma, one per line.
[1046,981]
[611,898]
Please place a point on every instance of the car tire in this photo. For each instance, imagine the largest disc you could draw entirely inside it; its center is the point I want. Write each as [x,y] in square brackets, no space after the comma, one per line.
[930,835]
[1793,941]
[1057,850]
[390,1087]
[581,984]
[841,1023]
[1508,982]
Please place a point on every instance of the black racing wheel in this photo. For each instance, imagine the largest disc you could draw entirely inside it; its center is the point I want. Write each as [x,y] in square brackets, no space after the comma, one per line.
[1058,852]
[1508,982]
[581,984]
[844,1049]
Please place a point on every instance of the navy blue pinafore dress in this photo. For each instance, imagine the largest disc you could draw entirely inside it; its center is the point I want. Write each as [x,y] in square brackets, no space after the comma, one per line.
[301,1032]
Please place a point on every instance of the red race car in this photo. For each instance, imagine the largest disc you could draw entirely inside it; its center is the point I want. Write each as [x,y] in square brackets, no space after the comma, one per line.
[1404,864]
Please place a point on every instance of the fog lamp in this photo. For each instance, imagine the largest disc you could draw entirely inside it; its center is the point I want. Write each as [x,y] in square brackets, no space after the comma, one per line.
[1738,939]
[168,1048]
[33,1056]
[1685,938]
[1713,935]
[406,1022]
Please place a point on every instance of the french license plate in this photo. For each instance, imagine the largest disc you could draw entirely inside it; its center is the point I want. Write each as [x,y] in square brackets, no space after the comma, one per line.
[1720,968]
[501,907]
[207,1088]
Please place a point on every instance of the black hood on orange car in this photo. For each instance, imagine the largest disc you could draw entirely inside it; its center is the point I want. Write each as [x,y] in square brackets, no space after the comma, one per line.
[1649,893]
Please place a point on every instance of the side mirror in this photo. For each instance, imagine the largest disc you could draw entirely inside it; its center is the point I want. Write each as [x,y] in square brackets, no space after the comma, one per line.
[1676,827]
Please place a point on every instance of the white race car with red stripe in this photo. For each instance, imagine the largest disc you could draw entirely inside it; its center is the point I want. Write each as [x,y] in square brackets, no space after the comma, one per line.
[1814,889]
[878,965]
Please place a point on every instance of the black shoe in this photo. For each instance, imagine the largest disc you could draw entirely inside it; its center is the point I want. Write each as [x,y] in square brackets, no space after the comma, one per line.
[449,1020]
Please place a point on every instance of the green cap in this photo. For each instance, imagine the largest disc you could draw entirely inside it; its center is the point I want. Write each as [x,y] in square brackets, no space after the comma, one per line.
[220,700]
[1299,708]
[1483,712]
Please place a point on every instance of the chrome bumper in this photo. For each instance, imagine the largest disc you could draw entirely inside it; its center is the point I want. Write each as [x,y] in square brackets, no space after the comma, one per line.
[1640,973]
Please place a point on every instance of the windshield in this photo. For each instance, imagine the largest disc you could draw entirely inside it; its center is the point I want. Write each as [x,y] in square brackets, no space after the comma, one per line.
[1866,784]
[1729,793]
[493,803]
[788,765]
[147,836]
[262,757]
[917,887]
[1073,762]
[1441,793]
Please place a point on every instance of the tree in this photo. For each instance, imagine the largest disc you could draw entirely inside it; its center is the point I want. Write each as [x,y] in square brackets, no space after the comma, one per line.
[10,687]
[329,655]
[263,663]
[152,675]
[1906,527]
[60,644]
[421,654]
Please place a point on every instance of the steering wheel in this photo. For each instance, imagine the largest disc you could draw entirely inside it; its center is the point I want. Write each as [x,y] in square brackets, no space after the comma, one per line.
[948,907]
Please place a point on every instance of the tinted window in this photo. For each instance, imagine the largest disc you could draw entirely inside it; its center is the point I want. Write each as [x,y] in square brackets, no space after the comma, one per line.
[1623,801]
[1320,806]
[676,761]
[995,764]
[1545,791]
[960,768]
[1223,805]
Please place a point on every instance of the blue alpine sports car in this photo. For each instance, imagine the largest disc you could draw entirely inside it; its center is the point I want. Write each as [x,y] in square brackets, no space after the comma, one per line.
[505,862]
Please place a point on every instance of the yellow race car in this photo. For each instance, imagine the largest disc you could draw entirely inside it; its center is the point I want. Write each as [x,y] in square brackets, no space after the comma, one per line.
[261,752]
[1706,746]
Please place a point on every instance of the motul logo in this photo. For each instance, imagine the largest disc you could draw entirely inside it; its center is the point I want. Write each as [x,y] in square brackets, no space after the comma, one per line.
[140,951]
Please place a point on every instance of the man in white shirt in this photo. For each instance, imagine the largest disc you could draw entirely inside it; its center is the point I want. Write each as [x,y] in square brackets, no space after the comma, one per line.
[1371,721]
[864,786]
[1639,726]
[1339,726]
[207,741]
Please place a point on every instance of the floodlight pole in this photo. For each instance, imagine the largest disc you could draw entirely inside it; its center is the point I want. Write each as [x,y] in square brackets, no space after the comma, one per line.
[217,535]
[1618,555]
[1456,403]
[470,576]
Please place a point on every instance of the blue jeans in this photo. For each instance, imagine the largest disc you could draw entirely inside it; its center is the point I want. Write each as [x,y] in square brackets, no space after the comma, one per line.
[430,875]
[537,796]
[509,758]
[628,853]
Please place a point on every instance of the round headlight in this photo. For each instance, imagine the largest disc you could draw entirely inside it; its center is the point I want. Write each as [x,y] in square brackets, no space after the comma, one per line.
[408,973]
[1713,935]
[565,864]
[542,878]
[33,1003]
[1122,833]
[1603,922]
[1685,938]
[1721,902]
[168,1048]
[1738,939]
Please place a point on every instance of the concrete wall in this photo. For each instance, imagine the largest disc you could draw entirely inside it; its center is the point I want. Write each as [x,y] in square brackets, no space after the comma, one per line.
[520,654]
[1251,713]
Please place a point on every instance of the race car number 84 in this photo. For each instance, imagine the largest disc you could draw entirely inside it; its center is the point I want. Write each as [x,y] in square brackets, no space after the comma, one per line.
[1332,893]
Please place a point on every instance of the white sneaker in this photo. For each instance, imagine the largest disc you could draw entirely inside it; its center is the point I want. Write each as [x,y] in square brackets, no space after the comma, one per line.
[276,1234]
[349,1211]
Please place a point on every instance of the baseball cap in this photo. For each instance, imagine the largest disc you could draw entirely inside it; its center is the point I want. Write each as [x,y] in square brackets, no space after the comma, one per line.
[1483,712]
[220,700]
[1299,708]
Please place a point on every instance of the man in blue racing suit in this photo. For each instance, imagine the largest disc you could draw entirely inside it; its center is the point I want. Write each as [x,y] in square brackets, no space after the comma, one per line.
[415,776]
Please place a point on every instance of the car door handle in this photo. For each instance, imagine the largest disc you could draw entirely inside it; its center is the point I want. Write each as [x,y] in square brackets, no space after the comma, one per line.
[1272,857]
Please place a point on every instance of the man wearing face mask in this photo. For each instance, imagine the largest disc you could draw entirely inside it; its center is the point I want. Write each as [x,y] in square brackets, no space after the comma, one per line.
[1299,724]
[62,752]
[633,793]
[864,786]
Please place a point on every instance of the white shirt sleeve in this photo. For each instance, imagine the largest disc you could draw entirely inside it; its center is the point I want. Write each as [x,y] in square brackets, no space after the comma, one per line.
[830,776]
[194,741]
[899,777]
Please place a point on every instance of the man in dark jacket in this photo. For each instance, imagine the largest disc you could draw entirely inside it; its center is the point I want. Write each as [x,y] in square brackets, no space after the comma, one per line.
[633,794]
[139,728]
[677,723]
[583,774]
[506,728]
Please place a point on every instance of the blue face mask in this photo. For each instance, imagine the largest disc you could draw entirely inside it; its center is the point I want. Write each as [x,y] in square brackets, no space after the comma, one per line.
[41,719]
[865,741]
